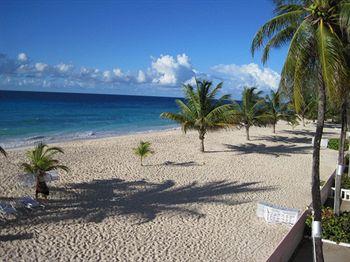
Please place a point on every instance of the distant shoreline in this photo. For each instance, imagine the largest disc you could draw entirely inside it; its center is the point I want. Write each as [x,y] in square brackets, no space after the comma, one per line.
[50,140]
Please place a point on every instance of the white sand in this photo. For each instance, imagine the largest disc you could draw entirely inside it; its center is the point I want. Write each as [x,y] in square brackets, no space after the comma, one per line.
[201,207]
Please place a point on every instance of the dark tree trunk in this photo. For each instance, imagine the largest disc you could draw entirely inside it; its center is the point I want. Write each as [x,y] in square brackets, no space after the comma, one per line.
[340,158]
[315,191]
[247,132]
[274,128]
[201,137]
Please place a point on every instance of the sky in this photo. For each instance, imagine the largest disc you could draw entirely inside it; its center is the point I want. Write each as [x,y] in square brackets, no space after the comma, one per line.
[133,47]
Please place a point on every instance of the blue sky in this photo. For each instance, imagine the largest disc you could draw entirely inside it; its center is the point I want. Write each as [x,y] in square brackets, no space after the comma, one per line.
[132,47]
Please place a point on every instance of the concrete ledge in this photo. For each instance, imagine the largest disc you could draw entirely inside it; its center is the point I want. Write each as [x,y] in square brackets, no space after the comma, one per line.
[335,243]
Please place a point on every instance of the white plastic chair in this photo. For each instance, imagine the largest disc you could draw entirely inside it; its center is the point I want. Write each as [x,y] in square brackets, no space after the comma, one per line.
[276,214]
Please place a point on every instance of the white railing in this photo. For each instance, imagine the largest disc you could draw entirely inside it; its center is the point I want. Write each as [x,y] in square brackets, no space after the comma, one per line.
[344,194]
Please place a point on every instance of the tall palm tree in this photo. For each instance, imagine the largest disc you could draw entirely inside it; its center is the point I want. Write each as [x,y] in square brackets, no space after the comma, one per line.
[42,159]
[143,150]
[343,102]
[3,152]
[250,112]
[315,51]
[201,110]
[276,110]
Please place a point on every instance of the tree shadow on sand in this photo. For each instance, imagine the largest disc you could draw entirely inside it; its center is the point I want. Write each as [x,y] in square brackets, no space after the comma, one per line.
[277,150]
[305,133]
[286,139]
[140,201]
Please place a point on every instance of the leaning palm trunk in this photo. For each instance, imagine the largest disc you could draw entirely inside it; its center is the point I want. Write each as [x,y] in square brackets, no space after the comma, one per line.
[315,191]
[340,158]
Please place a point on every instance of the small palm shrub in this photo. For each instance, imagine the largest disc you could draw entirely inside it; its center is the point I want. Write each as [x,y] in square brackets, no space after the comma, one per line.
[143,150]
[41,160]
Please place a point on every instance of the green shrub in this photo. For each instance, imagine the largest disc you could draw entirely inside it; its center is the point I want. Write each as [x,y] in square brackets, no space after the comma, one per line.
[334,228]
[333,143]
[345,182]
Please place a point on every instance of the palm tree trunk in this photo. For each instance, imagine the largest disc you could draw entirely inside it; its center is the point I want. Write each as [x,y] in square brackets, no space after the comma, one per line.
[141,161]
[303,121]
[315,191]
[340,158]
[274,128]
[201,137]
[247,132]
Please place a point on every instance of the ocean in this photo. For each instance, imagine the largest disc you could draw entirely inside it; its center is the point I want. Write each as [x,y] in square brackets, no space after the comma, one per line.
[29,117]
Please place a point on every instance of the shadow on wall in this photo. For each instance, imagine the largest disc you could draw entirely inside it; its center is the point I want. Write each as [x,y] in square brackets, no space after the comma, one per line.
[140,201]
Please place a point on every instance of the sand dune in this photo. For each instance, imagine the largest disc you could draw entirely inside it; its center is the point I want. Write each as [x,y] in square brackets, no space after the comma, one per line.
[182,205]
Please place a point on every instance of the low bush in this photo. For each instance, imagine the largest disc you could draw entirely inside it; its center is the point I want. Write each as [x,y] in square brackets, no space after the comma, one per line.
[333,143]
[345,182]
[334,228]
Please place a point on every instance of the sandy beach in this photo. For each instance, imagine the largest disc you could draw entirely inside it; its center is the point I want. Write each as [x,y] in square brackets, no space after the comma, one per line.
[183,205]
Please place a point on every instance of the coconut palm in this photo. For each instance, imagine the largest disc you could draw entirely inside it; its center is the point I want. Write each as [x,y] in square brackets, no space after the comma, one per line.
[201,110]
[315,51]
[143,150]
[250,112]
[42,159]
[3,152]
[275,110]
[343,106]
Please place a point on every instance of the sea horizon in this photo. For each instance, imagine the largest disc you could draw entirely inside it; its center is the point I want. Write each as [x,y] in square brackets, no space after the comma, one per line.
[29,117]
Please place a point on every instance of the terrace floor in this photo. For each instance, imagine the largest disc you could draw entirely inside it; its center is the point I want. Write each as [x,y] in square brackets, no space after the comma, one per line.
[332,253]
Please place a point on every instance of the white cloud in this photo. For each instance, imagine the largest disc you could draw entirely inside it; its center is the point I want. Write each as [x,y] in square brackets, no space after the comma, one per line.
[141,77]
[247,75]
[41,67]
[118,72]
[64,68]
[164,71]
[22,57]
[172,71]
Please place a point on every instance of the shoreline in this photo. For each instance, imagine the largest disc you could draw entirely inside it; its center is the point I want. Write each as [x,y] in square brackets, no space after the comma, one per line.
[52,141]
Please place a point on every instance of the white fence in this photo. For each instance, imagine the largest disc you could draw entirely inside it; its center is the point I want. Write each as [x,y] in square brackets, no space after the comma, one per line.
[344,194]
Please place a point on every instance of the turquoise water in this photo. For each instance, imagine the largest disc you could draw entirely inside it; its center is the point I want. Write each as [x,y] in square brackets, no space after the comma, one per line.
[29,117]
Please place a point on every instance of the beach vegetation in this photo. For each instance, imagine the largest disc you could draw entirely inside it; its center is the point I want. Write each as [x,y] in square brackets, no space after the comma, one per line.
[315,31]
[251,111]
[42,159]
[334,228]
[202,110]
[143,150]
[275,110]
[334,143]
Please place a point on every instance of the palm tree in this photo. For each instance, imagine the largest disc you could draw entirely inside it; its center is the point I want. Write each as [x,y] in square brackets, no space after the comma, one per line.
[343,102]
[41,160]
[143,150]
[201,111]
[316,52]
[250,112]
[275,110]
[3,152]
